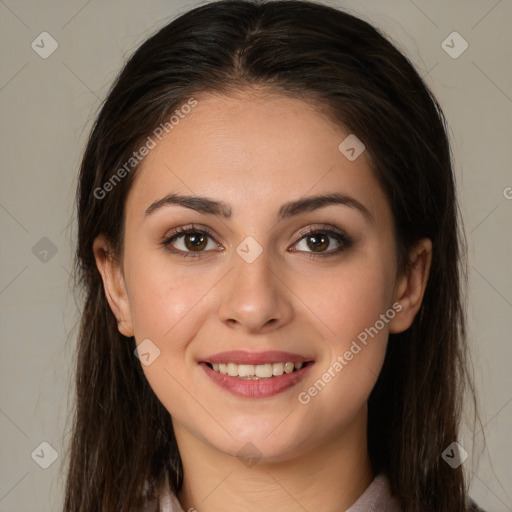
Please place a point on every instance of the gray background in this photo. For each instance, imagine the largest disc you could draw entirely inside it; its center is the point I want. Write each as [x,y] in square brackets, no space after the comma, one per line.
[48,106]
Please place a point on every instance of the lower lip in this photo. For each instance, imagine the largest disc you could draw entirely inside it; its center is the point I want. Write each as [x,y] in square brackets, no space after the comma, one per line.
[261,388]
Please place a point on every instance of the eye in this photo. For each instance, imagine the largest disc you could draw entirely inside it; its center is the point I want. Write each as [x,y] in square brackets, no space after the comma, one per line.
[188,241]
[192,242]
[323,242]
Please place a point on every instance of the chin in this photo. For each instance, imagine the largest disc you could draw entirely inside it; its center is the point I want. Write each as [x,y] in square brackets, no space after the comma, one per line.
[261,440]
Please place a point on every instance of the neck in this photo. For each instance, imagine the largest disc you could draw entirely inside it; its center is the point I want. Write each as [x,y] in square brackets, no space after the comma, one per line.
[328,477]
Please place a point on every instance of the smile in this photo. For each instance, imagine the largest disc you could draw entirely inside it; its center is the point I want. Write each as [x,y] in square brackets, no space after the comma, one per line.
[256,375]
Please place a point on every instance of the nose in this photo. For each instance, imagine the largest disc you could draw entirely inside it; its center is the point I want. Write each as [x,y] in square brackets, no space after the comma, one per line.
[254,298]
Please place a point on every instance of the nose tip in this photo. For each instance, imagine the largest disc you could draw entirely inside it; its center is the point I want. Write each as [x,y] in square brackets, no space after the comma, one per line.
[253,297]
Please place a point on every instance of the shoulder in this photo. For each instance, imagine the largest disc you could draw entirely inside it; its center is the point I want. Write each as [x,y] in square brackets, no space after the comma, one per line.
[167,500]
[376,498]
[161,499]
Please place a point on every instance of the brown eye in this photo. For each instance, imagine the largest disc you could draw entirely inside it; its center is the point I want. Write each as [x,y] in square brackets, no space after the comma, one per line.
[323,242]
[195,242]
[188,241]
[318,243]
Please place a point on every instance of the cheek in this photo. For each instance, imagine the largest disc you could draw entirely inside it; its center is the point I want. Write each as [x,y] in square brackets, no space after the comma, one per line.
[163,297]
[354,308]
[343,387]
[348,298]
[169,304]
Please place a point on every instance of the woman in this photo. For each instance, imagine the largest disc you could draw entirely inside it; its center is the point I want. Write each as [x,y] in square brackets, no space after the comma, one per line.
[269,246]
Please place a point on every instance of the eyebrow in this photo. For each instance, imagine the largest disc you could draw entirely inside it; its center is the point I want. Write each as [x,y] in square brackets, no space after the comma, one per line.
[206,205]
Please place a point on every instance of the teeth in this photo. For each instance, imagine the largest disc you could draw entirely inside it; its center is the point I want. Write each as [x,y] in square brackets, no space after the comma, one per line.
[256,371]
[263,371]
[289,367]
[277,369]
[246,370]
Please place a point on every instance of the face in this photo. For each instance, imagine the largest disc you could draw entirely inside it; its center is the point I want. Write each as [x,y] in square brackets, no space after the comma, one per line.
[264,276]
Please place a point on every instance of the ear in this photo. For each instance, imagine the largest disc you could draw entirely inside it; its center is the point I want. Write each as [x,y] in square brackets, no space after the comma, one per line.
[410,286]
[114,284]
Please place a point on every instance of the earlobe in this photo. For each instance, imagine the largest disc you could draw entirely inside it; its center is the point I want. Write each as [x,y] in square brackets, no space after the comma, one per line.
[113,284]
[410,287]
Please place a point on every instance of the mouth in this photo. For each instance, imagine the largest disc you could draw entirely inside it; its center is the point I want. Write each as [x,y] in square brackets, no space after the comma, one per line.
[256,375]
[258,371]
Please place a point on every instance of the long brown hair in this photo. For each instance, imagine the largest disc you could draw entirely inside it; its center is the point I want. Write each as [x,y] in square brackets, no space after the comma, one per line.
[123,438]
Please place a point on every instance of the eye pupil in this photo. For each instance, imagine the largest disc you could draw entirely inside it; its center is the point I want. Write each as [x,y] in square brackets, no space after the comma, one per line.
[195,241]
[318,242]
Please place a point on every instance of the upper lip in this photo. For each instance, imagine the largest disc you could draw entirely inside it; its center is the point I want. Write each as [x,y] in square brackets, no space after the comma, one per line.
[244,357]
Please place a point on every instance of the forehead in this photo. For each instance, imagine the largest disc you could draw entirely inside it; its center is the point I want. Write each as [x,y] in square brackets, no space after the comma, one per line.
[252,148]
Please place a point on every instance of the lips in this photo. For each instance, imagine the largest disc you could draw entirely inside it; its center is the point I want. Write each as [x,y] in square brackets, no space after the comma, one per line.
[256,375]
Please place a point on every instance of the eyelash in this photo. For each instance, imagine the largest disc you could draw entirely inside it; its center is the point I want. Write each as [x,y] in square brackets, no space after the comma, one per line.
[342,238]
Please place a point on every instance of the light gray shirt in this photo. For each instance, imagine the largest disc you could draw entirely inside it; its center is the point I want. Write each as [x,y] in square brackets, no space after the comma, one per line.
[376,498]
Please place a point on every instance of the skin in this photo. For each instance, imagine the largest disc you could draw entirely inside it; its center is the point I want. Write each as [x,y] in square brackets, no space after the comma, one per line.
[255,151]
